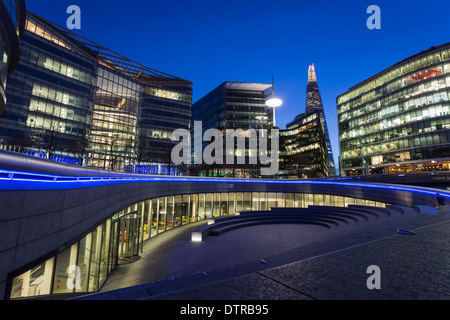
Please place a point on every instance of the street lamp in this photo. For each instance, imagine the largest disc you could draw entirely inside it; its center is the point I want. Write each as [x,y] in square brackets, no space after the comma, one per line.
[273,102]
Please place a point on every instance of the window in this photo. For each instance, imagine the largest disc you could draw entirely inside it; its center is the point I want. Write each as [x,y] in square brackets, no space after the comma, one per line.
[63,281]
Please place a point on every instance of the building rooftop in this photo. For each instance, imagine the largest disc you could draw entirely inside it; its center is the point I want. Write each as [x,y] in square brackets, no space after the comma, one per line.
[248,86]
[396,65]
[108,57]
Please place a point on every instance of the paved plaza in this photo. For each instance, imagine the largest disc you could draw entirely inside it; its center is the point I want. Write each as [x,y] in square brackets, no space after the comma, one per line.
[294,262]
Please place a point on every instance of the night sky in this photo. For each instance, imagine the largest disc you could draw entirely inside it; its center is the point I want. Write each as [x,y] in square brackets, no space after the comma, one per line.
[210,41]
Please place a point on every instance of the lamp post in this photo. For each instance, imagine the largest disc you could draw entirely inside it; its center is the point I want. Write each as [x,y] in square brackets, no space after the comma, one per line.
[273,102]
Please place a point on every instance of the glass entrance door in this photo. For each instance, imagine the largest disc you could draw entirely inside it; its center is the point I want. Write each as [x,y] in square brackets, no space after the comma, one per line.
[128,237]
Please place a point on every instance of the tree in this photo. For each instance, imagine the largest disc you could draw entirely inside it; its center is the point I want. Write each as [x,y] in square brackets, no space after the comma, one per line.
[113,153]
[54,134]
[78,147]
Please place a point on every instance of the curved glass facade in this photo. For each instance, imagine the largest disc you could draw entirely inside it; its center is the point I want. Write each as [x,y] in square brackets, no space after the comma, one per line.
[11,6]
[398,120]
[72,101]
[3,70]
[83,266]
[49,109]
[12,12]
[113,133]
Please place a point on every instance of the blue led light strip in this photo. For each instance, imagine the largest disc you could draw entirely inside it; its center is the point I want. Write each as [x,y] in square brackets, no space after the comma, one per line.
[23,176]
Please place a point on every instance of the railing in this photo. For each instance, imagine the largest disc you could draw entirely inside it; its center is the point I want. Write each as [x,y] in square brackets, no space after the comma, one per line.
[18,167]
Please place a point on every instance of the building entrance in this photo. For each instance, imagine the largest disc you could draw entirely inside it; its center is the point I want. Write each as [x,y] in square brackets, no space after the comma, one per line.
[128,248]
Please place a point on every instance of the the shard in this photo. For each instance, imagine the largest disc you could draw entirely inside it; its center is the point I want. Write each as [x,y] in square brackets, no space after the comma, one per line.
[314,102]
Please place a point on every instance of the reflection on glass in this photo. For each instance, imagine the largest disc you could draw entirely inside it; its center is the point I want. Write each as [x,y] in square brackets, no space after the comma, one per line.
[95,258]
[34,282]
[224,204]
[162,216]
[63,281]
[208,205]
[170,213]
[231,203]
[106,230]
[84,256]
[201,206]
[216,204]
[146,221]
[154,205]
[239,201]
[289,200]
[255,201]
[271,200]
[247,202]
[194,210]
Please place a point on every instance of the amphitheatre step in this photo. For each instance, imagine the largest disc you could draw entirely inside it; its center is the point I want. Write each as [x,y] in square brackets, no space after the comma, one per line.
[235,226]
[245,215]
[324,210]
[324,215]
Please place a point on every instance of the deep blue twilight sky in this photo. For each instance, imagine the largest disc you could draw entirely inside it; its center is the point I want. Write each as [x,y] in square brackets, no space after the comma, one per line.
[211,41]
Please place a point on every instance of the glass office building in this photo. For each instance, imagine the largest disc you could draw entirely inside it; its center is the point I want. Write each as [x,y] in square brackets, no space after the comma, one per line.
[49,108]
[74,101]
[303,148]
[314,103]
[12,22]
[84,265]
[398,120]
[233,105]
[166,105]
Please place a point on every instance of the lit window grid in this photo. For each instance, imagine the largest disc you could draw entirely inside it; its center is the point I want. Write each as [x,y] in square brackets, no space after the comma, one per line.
[56,94]
[302,153]
[432,113]
[398,88]
[50,106]
[404,69]
[43,59]
[412,97]
[441,124]
[58,111]
[42,112]
[395,123]
[36,29]
[57,105]
[114,124]
[168,94]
